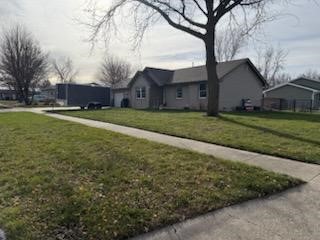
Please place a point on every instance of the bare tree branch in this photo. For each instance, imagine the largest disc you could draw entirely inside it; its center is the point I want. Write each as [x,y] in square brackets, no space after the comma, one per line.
[64,71]
[114,70]
[271,62]
[229,43]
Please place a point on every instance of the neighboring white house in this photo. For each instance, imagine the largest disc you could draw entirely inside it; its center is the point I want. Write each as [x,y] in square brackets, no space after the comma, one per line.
[187,88]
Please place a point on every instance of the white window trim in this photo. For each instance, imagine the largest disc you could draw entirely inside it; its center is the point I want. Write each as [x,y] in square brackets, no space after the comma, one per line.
[202,90]
[181,93]
[140,90]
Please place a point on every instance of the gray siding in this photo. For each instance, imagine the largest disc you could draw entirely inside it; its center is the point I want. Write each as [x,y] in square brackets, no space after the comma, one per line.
[140,103]
[289,92]
[190,97]
[170,96]
[240,84]
[156,96]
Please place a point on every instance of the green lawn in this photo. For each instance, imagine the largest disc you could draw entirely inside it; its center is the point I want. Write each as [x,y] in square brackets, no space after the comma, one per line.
[291,135]
[61,180]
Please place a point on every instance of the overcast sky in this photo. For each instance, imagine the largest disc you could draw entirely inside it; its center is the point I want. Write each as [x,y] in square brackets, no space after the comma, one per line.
[53,24]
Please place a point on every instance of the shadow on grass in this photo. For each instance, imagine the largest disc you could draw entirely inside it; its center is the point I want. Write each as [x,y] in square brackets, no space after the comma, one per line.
[263,115]
[271,131]
[309,117]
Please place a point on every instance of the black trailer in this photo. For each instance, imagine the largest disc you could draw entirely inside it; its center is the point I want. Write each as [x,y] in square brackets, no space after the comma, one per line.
[71,94]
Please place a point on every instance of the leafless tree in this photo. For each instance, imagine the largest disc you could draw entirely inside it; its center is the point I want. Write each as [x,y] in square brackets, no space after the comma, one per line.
[114,70]
[311,74]
[44,84]
[198,18]
[230,42]
[271,62]
[64,70]
[22,62]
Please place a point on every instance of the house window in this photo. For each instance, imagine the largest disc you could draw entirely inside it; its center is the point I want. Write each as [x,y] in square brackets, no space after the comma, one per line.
[179,93]
[141,93]
[203,90]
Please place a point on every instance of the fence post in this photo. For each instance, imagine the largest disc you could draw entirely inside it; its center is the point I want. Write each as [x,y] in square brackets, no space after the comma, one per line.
[294,105]
[311,105]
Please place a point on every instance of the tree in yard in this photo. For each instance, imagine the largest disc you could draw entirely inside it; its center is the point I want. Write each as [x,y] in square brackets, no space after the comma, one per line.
[114,70]
[271,62]
[23,64]
[64,70]
[198,18]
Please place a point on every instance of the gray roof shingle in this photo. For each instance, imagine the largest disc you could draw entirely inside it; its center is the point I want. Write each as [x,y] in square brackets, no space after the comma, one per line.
[159,76]
[310,83]
[197,74]
[188,75]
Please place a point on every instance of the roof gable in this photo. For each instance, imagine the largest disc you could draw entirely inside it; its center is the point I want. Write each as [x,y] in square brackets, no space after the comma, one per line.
[159,76]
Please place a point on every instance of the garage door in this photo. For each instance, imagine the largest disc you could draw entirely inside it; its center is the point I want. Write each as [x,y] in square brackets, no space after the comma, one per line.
[118,99]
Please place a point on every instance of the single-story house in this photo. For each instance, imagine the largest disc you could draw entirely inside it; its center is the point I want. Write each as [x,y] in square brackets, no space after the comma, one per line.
[300,90]
[187,88]
[7,94]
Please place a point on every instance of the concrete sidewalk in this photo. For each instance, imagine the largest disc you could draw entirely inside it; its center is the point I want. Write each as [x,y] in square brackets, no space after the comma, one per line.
[294,214]
[296,169]
[291,215]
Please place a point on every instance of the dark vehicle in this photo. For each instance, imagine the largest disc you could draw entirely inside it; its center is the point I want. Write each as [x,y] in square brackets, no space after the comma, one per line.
[84,96]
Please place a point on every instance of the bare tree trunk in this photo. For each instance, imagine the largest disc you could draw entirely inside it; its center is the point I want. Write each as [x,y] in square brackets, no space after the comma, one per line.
[213,80]
[26,97]
[19,92]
